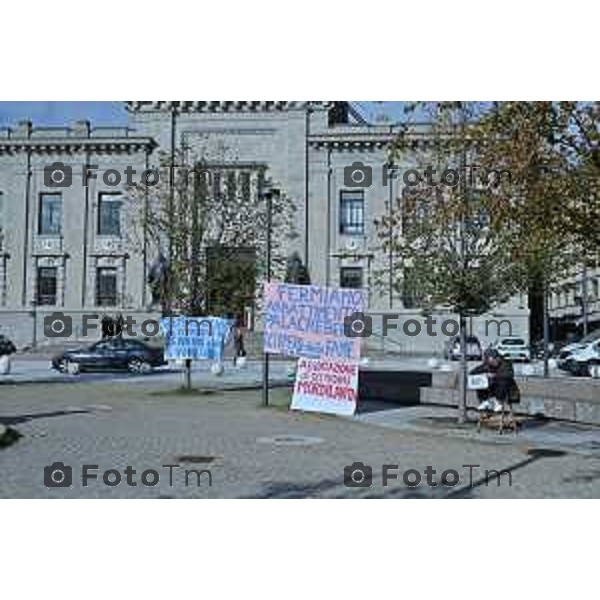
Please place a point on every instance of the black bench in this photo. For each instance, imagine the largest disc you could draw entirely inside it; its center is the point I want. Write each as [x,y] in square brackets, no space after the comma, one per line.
[398,387]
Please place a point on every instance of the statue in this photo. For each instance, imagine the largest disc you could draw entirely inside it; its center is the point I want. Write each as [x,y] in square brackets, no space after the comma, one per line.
[296,272]
[158,279]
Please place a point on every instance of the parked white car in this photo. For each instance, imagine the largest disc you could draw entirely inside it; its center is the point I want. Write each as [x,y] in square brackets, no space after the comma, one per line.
[584,359]
[514,348]
[566,352]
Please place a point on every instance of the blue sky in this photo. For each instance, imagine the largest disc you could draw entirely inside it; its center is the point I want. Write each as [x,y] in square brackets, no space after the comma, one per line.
[113,113]
[62,113]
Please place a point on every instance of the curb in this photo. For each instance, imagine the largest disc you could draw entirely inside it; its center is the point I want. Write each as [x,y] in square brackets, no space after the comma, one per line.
[76,379]
[44,381]
[249,387]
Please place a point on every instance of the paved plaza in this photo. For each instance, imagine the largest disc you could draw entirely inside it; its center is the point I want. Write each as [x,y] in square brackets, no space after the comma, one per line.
[232,447]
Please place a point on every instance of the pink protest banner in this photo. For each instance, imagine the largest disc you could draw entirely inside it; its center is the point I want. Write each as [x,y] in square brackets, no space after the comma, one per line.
[311,321]
[326,386]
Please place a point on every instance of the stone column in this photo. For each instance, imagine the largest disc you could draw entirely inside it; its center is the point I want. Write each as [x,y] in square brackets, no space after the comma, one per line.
[3,269]
[122,281]
[60,281]
[90,290]
[32,282]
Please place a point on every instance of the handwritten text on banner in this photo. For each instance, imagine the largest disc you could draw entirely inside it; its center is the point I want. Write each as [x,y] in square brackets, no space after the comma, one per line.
[326,386]
[308,321]
[195,338]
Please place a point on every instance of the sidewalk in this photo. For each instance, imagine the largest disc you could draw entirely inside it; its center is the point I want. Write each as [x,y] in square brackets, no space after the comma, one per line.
[258,452]
[39,372]
[35,368]
[538,434]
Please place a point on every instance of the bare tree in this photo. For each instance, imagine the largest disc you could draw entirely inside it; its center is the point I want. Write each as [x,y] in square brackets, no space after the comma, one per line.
[206,221]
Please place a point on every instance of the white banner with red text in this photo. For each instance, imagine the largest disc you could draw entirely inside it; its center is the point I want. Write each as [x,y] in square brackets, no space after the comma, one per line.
[326,386]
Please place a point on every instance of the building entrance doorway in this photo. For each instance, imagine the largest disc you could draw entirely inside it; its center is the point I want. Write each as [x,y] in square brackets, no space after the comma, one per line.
[230,280]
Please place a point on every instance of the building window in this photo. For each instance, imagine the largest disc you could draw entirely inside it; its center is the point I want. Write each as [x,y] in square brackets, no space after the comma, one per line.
[231,186]
[411,297]
[109,215]
[351,277]
[352,212]
[217,182]
[246,186]
[106,286]
[50,216]
[46,286]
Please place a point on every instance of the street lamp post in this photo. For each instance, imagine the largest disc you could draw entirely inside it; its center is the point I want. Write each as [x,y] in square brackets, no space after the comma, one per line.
[584,301]
[546,314]
[34,315]
[268,195]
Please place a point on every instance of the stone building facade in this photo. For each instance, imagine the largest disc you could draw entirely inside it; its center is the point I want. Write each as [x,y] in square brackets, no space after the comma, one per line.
[566,304]
[68,248]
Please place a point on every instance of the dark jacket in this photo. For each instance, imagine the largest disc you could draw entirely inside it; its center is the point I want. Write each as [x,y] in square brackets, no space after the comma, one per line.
[506,387]
[502,381]
[6,346]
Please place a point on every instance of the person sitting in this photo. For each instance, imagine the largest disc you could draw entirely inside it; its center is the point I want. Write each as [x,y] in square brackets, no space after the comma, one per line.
[503,388]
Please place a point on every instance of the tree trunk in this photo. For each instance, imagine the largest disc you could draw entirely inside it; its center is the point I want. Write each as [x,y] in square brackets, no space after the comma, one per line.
[546,332]
[464,371]
[188,374]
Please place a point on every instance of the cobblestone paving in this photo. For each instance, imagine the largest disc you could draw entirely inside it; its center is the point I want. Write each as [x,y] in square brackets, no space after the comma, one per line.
[114,425]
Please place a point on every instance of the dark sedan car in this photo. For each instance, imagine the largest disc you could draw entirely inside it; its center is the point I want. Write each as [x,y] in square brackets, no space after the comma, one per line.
[111,355]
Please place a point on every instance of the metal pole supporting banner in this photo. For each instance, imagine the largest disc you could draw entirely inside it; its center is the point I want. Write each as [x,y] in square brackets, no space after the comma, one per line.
[546,332]
[269,199]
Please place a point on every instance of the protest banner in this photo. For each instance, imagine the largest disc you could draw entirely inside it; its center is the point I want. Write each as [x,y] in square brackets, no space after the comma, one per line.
[326,386]
[195,338]
[308,321]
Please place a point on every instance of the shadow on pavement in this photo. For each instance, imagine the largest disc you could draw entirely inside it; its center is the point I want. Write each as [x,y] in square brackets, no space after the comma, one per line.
[19,419]
[535,454]
[291,490]
[370,406]
[323,489]
[335,489]
[587,477]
